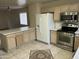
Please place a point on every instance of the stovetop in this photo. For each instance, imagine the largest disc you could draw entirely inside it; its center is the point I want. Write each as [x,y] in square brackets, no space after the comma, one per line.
[68,29]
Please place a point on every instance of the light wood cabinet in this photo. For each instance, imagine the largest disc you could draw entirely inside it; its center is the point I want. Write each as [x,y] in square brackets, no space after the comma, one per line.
[57,14]
[26,36]
[32,34]
[73,7]
[29,36]
[76,42]
[53,37]
[8,42]
[11,43]
[64,8]
[16,39]
[19,39]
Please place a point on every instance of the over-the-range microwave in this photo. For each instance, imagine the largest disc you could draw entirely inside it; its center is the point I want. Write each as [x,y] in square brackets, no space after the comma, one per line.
[69,16]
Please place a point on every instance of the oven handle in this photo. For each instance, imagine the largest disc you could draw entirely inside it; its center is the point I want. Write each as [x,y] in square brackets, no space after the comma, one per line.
[71,35]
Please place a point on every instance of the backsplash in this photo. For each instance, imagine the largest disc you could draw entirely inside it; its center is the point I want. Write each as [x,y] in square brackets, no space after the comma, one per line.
[57,25]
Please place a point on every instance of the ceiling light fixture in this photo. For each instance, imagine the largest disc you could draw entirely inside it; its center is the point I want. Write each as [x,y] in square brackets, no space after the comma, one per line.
[21,2]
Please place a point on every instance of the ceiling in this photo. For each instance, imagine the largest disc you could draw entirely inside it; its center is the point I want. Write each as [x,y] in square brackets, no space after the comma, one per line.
[14,4]
[19,3]
[60,2]
[40,1]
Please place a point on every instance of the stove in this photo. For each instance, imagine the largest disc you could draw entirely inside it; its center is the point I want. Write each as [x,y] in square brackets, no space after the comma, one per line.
[68,29]
[66,37]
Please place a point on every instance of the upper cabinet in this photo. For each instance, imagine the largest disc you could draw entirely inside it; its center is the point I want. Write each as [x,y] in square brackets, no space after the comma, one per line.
[57,14]
[61,8]
[64,8]
[70,7]
[73,7]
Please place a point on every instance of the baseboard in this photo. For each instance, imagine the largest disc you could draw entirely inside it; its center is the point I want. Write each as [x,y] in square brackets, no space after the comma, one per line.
[41,41]
[53,44]
[45,42]
[35,39]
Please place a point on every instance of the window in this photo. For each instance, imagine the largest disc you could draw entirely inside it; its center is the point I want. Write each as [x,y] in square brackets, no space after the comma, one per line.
[23,18]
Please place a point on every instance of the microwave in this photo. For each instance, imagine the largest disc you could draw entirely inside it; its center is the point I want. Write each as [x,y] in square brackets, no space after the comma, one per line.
[69,16]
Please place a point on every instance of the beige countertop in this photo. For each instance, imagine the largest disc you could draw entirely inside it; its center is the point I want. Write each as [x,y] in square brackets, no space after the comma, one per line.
[77,32]
[10,31]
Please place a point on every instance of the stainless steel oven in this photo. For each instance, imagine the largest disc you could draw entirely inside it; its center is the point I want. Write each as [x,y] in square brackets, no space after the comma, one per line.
[65,38]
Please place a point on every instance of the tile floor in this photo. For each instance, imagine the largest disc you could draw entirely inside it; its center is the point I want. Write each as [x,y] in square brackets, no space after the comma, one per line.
[23,51]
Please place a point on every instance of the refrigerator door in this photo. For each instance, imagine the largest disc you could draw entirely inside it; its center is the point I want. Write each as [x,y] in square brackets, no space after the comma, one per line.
[38,33]
[44,27]
[50,21]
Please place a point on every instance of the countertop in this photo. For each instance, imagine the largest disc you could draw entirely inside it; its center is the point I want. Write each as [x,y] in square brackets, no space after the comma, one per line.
[10,31]
[77,32]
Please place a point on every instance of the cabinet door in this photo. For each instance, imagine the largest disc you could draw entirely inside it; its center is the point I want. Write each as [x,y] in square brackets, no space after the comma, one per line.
[19,39]
[26,36]
[64,8]
[57,14]
[32,34]
[53,37]
[0,42]
[8,42]
[11,42]
[76,42]
[73,7]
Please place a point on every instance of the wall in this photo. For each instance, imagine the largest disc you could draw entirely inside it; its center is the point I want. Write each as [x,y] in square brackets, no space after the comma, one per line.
[10,18]
[61,8]
[15,20]
[4,16]
[33,10]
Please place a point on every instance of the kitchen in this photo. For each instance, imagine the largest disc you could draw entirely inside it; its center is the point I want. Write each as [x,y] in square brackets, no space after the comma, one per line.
[35,9]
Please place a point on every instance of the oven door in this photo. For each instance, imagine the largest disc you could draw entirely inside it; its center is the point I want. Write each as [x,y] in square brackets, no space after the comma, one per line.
[65,38]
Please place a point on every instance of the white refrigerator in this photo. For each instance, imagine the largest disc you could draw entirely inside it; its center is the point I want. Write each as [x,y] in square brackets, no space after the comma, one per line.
[44,23]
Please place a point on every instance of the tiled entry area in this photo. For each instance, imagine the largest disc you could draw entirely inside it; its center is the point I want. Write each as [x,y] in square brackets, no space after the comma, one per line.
[24,51]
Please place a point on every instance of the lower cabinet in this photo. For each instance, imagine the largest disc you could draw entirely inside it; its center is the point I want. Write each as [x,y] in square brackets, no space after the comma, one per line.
[26,36]
[32,35]
[76,42]
[13,40]
[29,35]
[19,39]
[11,43]
[8,42]
[53,37]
